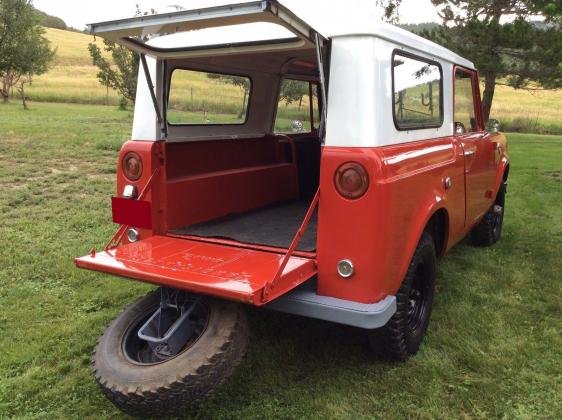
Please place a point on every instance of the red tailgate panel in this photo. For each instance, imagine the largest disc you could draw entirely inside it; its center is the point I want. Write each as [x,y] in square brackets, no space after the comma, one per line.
[218,270]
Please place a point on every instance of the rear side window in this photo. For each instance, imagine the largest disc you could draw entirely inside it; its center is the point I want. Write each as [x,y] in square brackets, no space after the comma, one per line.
[417,87]
[465,117]
[201,98]
[297,109]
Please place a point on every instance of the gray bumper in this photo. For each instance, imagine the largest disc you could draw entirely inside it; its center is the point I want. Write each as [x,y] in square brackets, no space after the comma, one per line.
[362,315]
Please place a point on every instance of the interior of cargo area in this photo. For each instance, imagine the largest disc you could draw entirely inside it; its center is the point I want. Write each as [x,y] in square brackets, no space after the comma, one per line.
[243,149]
[254,191]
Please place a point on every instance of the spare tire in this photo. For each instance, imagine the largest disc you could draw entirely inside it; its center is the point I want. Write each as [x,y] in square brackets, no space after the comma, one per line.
[139,383]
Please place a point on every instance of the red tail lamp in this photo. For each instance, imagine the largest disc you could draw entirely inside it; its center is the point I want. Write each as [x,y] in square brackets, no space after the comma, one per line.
[352,180]
[132,166]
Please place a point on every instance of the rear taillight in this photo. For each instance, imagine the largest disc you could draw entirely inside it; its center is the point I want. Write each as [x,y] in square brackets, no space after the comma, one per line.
[132,166]
[352,180]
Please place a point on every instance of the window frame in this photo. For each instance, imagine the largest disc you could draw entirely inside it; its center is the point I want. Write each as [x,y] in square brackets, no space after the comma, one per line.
[312,84]
[412,127]
[169,88]
[476,100]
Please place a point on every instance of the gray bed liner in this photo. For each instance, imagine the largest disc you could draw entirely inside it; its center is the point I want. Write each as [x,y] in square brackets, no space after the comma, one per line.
[275,225]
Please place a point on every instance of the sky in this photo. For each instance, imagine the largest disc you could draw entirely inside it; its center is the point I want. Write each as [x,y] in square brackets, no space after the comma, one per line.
[78,13]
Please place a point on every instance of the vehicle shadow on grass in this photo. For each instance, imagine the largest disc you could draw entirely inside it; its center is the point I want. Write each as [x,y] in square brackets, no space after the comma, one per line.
[290,359]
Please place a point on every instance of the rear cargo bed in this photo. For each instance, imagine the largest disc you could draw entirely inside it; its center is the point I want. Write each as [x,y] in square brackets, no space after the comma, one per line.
[274,226]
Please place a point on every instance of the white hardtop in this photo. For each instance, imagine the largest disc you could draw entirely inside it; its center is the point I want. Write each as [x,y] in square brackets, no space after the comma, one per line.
[266,20]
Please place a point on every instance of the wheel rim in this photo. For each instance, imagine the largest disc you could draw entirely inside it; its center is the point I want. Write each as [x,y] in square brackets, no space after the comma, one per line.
[139,351]
[417,300]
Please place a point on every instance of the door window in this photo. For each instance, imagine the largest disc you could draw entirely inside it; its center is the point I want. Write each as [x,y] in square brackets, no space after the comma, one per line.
[465,117]
[297,108]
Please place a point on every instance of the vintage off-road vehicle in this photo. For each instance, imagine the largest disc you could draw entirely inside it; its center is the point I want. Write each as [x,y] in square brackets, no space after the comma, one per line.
[336,209]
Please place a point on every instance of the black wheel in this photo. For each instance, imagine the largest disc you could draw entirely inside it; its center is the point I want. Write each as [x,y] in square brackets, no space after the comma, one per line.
[401,337]
[489,230]
[143,381]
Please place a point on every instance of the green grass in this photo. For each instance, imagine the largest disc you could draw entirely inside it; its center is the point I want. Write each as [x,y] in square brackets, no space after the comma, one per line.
[494,346]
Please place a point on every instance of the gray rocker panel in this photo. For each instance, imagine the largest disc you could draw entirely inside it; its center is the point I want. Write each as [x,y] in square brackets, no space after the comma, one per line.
[362,315]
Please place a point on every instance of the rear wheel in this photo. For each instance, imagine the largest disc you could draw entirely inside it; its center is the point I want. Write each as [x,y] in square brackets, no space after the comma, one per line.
[145,380]
[401,337]
[489,230]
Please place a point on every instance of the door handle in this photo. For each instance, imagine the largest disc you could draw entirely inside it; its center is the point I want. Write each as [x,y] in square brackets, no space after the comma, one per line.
[470,153]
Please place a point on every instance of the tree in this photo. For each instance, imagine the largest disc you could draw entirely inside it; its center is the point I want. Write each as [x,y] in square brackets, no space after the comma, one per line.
[241,82]
[504,40]
[122,75]
[24,51]
[390,9]
[49,21]
[294,90]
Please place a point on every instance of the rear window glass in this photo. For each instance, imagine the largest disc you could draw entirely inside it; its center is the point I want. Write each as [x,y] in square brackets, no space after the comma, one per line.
[297,108]
[201,98]
[417,93]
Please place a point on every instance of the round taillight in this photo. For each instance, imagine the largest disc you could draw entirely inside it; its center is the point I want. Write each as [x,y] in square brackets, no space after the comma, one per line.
[132,166]
[352,180]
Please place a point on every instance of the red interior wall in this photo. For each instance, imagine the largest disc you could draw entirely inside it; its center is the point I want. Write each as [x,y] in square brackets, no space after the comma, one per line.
[210,179]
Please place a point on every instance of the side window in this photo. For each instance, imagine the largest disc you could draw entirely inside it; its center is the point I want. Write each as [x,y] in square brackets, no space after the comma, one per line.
[297,109]
[465,117]
[417,85]
[201,98]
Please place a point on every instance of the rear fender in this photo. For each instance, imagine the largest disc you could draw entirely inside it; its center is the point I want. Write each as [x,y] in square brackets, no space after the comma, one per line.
[501,158]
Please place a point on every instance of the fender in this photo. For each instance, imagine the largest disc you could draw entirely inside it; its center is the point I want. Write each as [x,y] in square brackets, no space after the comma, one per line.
[502,160]
[430,208]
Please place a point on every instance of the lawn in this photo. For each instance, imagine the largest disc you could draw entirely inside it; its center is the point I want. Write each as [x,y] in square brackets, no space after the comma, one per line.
[494,346]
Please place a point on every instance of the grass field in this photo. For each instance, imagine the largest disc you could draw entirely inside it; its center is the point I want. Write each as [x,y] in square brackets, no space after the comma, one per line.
[73,80]
[494,347]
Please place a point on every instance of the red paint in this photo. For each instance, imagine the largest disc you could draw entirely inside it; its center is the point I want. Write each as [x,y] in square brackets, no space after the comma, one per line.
[136,213]
[380,230]
[216,270]
[226,176]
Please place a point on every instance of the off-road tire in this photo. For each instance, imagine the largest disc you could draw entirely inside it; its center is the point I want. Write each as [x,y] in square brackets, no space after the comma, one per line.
[190,377]
[489,230]
[401,337]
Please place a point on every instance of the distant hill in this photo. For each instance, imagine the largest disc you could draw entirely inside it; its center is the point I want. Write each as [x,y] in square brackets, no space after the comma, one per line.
[50,21]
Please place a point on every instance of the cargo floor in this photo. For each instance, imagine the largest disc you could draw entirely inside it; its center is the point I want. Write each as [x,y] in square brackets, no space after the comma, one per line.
[273,226]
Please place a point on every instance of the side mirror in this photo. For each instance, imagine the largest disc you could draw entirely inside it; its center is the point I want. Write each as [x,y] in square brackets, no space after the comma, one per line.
[492,126]
[459,129]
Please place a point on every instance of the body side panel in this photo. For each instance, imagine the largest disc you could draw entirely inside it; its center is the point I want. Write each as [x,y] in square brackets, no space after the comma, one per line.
[379,231]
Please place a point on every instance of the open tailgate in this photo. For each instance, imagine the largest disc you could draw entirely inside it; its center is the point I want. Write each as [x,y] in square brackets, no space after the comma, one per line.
[217,270]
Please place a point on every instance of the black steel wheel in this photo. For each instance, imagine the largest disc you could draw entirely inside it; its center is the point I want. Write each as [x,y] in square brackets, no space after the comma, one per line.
[401,337]
[144,380]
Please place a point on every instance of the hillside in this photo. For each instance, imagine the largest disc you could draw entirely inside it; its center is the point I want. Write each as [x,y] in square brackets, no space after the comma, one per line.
[73,79]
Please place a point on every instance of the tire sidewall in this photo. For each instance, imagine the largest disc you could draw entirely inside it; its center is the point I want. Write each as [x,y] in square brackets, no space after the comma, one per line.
[111,363]
[425,255]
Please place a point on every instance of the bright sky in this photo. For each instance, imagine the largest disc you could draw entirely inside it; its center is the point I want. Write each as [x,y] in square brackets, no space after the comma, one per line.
[78,13]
